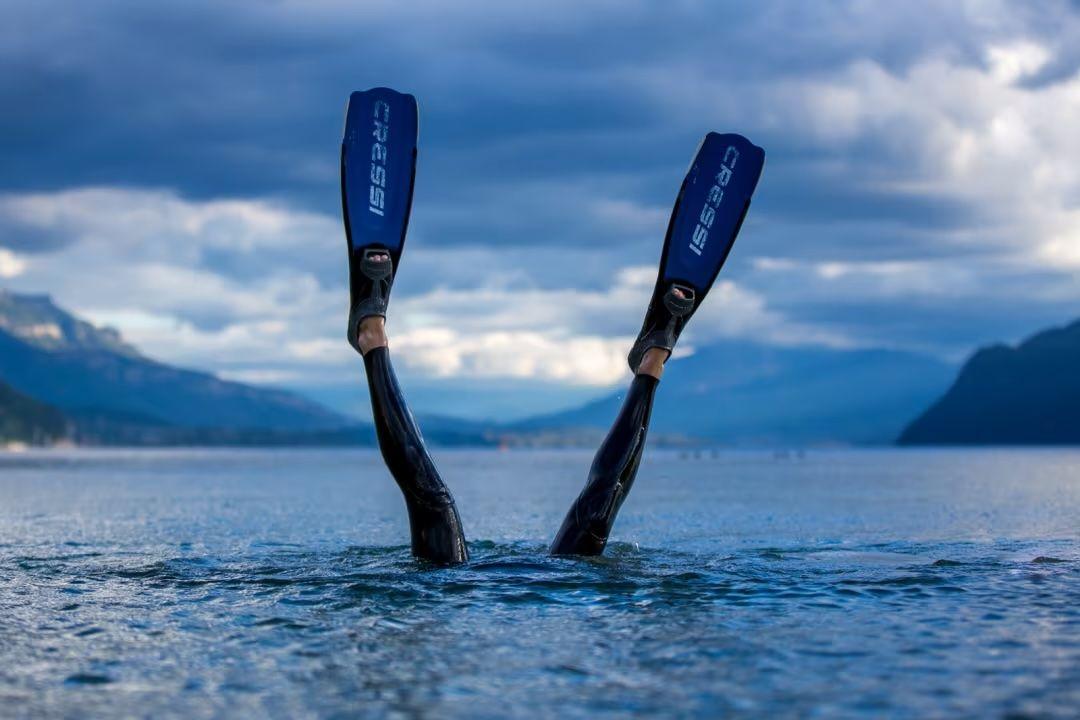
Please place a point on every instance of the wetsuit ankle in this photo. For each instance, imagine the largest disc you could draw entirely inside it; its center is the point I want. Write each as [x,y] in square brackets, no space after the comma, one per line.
[436,529]
[588,523]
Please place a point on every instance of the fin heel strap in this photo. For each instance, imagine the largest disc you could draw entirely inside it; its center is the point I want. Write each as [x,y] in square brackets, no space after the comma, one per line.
[679,306]
[381,275]
[676,309]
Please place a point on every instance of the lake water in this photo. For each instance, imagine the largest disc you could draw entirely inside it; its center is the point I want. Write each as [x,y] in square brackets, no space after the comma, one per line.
[279,584]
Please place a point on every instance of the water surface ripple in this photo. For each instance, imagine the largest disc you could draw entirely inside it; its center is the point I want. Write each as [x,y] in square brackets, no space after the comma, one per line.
[850,584]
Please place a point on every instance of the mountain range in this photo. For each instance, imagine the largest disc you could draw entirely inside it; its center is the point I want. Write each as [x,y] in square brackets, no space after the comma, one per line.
[63,379]
[25,420]
[1023,395]
[749,394]
[68,363]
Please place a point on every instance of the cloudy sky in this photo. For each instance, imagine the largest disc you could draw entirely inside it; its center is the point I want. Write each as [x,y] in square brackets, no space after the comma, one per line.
[171,169]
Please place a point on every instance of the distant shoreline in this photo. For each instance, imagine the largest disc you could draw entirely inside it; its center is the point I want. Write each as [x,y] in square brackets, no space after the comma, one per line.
[696,451]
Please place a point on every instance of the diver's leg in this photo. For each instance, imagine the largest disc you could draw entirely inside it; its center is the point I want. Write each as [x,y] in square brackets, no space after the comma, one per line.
[588,523]
[433,518]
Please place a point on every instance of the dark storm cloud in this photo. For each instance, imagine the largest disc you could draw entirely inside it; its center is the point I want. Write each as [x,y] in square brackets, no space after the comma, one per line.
[31,239]
[956,328]
[219,99]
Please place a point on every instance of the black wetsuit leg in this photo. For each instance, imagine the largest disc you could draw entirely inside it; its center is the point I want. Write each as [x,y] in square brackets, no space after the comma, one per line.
[433,518]
[586,527]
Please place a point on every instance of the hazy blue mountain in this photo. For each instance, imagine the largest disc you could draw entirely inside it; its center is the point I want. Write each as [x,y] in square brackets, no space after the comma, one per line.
[737,393]
[34,319]
[23,419]
[73,381]
[50,355]
[1024,395]
[749,394]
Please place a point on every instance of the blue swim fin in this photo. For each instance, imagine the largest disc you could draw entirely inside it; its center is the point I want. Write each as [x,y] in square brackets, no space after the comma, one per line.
[378,169]
[709,210]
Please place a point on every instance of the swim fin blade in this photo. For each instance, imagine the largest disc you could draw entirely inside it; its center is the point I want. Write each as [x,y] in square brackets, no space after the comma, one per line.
[709,211]
[378,171]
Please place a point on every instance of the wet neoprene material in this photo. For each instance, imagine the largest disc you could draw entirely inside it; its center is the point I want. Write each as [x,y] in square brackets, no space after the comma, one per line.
[433,518]
[587,526]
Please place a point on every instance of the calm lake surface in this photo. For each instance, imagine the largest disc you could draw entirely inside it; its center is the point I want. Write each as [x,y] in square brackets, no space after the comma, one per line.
[279,584]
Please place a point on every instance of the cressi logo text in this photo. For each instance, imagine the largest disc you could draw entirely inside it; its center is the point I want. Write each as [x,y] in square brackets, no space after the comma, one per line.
[381,132]
[713,200]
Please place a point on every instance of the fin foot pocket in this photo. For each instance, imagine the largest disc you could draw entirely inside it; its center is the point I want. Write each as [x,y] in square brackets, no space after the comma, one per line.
[664,324]
[371,279]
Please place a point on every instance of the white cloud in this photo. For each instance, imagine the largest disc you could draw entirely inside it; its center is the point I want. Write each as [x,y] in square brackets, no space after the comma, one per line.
[158,223]
[1013,62]
[142,261]
[552,334]
[977,135]
[629,217]
[573,360]
[896,279]
[10,264]
[135,260]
